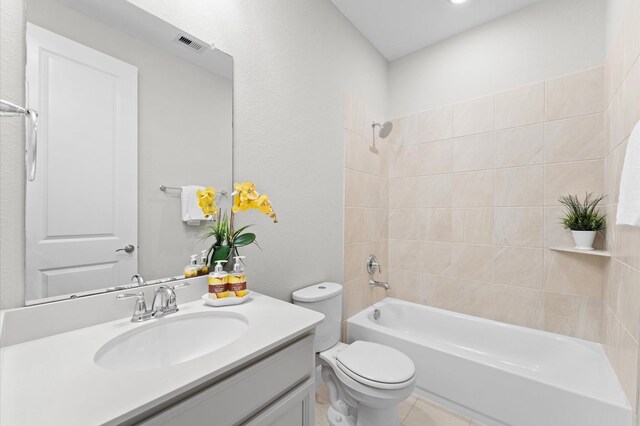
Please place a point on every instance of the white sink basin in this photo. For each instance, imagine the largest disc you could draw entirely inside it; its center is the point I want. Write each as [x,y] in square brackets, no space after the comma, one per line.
[169,341]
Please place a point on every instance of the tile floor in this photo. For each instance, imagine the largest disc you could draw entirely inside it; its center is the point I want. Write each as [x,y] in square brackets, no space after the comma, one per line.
[415,411]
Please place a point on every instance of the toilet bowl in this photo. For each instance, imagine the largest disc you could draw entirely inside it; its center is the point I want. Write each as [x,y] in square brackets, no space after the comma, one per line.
[367,381]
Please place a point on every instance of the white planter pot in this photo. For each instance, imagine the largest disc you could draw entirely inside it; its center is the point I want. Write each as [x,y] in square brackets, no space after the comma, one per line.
[584,239]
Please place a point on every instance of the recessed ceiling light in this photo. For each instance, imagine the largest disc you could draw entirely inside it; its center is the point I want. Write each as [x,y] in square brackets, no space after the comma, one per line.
[457,1]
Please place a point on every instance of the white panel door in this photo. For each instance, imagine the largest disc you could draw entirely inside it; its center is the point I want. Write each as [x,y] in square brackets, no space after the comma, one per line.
[82,206]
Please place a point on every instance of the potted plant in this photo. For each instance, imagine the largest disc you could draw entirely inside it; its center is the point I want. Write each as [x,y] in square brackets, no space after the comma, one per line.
[583,219]
[227,239]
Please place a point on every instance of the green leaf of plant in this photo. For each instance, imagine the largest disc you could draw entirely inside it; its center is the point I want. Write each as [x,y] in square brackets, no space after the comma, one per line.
[244,239]
[239,231]
[221,253]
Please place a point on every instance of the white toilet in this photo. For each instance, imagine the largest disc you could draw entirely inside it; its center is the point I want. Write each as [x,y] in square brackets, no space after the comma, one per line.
[367,381]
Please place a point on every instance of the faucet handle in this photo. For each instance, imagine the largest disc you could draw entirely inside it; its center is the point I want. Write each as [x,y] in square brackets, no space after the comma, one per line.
[140,312]
[139,295]
[373,264]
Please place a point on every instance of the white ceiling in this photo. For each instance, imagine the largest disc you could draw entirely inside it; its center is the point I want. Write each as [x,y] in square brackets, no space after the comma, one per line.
[399,27]
[126,17]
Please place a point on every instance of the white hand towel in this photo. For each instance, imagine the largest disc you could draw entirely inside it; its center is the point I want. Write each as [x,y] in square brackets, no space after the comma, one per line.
[629,201]
[191,211]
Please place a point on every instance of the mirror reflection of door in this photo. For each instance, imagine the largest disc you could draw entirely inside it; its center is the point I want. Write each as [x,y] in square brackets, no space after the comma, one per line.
[82,206]
[128,104]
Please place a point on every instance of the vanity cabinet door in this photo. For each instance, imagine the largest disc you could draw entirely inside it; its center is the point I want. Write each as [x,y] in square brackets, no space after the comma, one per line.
[294,409]
[246,393]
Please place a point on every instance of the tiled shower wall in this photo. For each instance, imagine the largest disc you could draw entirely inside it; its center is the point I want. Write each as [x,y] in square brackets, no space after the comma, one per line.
[470,193]
[621,317]
[473,190]
[366,206]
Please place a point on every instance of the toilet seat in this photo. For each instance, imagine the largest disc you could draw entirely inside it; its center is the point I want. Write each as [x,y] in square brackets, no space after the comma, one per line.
[376,365]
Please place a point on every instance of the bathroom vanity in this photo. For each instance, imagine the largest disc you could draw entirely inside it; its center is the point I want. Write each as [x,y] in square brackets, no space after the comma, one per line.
[263,376]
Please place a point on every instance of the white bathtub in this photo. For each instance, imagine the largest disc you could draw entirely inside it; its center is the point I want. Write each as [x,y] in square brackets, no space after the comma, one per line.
[496,373]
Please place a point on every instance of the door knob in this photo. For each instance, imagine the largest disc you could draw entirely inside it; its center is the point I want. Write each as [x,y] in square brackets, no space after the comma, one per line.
[127,249]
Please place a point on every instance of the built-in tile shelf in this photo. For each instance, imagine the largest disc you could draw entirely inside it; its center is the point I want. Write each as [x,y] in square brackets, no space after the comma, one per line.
[601,253]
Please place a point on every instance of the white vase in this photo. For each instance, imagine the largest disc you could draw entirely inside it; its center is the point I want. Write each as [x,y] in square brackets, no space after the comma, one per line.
[584,239]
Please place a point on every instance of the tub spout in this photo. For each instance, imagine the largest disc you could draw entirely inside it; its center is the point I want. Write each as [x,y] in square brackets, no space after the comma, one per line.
[373,283]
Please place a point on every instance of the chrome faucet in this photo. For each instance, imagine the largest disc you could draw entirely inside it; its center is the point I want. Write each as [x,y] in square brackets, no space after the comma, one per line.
[139,279]
[164,303]
[373,283]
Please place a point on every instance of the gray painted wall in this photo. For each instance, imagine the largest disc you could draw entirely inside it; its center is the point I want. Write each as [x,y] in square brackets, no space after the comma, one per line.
[540,42]
[294,60]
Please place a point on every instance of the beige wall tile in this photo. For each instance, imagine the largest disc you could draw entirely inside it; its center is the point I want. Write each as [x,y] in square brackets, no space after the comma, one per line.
[474,116]
[472,189]
[354,188]
[518,266]
[473,262]
[375,159]
[574,273]
[354,159]
[571,315]
[353,114]
[576,94]
[520,107]
[354,225]
[404,132]
[434,157]
[403,192]
[611,329]
[630,36]
[613,172]
[353,262]
[467,297]
[519,226]
[435,124]
[631,100]
[434,224]
[404,285]
[520,146]
[354,297]
[579,138]
[434,257]
[616,120]
[572,178]
[473,152]
[403,224]
[473,226]
[435,190]
[403,255]
[554,233]
[521,186]
[518,305]
[402,162]
[376,224]
[613,73]
[373,188]
[627,244]
[629,367]
[628,299]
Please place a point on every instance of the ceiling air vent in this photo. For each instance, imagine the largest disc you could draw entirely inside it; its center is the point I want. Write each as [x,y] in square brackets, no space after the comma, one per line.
[190,42]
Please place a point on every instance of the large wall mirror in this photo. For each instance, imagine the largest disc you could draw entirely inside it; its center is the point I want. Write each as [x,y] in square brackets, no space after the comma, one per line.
[133,114]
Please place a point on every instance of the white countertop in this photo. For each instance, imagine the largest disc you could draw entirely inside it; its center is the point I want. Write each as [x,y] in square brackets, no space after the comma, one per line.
[54,380]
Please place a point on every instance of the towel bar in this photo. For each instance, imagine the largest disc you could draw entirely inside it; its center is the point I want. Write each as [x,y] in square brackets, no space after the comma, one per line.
[164,188]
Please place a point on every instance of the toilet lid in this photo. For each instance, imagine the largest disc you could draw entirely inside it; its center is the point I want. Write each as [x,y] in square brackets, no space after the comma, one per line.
[371,363]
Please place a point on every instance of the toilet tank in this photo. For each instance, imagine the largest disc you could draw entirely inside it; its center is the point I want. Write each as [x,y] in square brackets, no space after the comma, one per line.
[325,298]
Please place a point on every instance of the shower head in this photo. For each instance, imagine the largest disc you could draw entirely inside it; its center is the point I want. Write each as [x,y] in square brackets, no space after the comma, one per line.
[385,129]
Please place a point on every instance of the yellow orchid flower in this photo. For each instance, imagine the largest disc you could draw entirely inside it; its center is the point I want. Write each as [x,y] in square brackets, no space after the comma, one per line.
[245,197]
[207,200]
